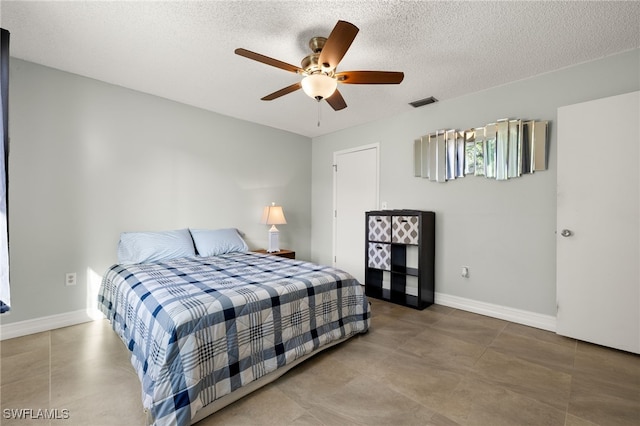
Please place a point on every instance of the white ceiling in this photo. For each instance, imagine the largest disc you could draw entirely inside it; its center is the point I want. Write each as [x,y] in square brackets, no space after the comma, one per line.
[184,50]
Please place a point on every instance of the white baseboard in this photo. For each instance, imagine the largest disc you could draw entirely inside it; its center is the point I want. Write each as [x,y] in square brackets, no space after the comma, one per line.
[532,319]
[37,325]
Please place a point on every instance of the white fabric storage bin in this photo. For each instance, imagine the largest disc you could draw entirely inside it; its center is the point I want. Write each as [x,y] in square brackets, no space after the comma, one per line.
[405,229]
[380,228]
[380,256]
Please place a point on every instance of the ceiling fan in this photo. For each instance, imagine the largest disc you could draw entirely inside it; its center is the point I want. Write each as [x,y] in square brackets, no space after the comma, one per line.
[319,68]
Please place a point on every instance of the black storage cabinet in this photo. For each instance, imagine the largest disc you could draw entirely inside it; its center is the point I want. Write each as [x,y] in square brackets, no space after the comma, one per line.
[389,235]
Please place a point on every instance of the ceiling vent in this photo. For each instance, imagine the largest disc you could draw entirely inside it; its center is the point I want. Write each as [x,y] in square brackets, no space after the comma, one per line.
[422,102]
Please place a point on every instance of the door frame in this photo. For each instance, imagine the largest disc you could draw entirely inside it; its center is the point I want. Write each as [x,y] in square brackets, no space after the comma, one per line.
[376,147]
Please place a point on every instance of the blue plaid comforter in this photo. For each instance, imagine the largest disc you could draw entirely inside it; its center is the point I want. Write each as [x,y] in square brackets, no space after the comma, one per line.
[200,328]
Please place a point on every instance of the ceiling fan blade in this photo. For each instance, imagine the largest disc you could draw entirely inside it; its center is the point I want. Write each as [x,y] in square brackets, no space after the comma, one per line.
[370,77]
[282,92]
[337,44]
[267,60]
[336,101]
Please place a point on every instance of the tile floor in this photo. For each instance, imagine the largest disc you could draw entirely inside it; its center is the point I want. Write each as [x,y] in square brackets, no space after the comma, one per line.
[440,366]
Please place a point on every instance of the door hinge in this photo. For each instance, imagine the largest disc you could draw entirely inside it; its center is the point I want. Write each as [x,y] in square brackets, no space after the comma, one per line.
[335,167]
[335,213]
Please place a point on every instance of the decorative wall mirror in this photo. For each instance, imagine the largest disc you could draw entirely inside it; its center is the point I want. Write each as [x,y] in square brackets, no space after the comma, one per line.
[502,150]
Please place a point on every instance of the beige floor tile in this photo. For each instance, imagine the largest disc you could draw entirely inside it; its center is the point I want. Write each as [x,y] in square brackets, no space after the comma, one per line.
[470,327]
[439,420]
[19,345]
[94,341]
[551,355]
[75,334]
[607,365]
[266,406]
[427,316]
[481,320]
[577,421]
[328,416]
[306,420]
[20,366]
[428,384]
[441,309]
[371,402]
[604,403]
[83,379]
[478,403]
[362,355]
[390,332]
[24,420]
[539,334]
[598,383]
[439,348]
[31,392]
[605,385]
[384,307]
[120,408]
[440,366]
[547,386]
[310,381]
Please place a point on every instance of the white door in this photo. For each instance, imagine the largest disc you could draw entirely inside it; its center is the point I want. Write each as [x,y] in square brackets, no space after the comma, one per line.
[355,192]
[598,284]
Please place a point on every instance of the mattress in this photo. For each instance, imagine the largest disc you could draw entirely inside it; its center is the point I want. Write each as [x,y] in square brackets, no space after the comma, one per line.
[200,328]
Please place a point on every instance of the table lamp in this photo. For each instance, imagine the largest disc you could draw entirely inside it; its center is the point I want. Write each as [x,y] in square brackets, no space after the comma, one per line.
[273,215]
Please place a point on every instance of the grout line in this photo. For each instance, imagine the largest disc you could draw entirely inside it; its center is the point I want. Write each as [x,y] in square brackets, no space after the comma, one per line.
[573,369]
[488,345]
[506,324]
[50,375]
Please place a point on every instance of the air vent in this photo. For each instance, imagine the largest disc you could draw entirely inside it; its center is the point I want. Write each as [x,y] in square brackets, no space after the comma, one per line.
[422,102]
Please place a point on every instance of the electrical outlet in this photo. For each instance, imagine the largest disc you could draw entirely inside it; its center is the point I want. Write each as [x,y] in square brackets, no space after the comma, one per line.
[384,205]
[70,279]
[465,272]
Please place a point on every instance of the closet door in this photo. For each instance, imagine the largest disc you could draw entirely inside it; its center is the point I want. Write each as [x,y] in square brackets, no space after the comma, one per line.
[598,222]
[356,185]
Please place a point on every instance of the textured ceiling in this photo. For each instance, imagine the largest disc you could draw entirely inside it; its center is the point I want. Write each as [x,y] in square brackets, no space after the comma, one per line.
[184,50]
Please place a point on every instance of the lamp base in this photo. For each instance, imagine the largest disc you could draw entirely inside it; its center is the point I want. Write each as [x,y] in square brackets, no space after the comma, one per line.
[274,237]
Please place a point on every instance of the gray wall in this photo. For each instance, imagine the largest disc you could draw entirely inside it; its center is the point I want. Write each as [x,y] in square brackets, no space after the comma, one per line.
[503,231]
[90,160]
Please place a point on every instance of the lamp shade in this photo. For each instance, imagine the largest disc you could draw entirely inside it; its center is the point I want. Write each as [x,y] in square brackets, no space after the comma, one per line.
[319,86]
[273,215]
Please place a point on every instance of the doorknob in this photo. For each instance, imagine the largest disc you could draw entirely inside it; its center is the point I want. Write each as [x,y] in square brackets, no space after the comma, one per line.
[566,233]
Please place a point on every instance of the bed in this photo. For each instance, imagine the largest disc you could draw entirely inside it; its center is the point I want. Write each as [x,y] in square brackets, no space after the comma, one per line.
[206,328]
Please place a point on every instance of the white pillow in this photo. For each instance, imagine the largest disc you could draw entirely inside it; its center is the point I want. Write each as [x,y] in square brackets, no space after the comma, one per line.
[149,247]
[219,241]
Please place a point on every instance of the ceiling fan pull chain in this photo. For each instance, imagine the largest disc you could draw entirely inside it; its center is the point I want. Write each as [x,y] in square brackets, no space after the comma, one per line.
[318,112]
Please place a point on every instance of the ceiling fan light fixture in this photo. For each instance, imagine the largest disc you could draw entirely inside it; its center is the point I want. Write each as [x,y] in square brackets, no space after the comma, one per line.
[318,71]
[319,86]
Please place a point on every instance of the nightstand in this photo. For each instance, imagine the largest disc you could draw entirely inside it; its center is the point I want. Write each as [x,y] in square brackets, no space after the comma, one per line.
[289,254]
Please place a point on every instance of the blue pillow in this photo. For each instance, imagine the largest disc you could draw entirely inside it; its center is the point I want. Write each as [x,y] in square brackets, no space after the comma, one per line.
[219,241]
[149,247]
